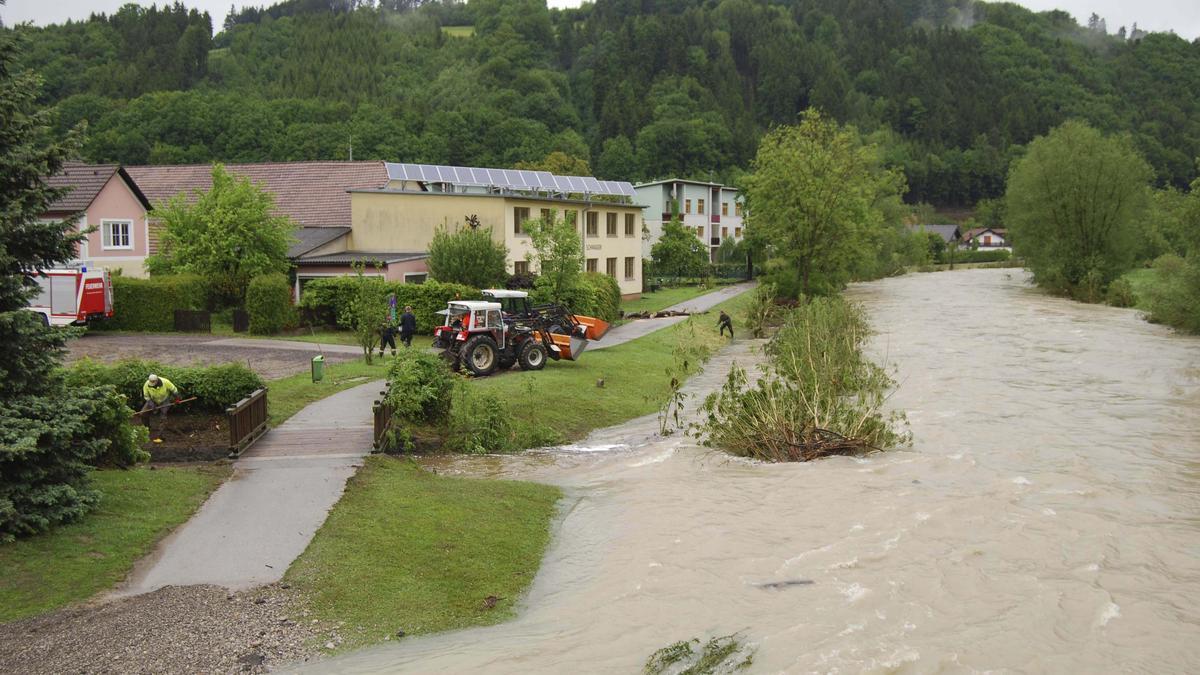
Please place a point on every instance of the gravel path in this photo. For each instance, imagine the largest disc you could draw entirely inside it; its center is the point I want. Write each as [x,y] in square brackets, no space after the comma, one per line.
[269,360]
[193,629]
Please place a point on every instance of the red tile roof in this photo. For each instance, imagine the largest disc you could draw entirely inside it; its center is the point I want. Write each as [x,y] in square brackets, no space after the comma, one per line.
[312,193]
[85,182]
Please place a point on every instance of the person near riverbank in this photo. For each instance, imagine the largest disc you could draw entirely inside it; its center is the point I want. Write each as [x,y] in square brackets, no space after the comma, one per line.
[387,337]
[159,393]
[408,326]
[724,322]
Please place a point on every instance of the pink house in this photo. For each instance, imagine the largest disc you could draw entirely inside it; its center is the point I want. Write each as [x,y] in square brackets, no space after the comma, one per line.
[109,202]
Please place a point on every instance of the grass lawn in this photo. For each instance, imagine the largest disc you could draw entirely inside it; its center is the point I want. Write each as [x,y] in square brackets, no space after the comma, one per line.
[76,561]
[1140,279]
[288,395]
[459,31]
[564,399]
[409,550]
[663,298]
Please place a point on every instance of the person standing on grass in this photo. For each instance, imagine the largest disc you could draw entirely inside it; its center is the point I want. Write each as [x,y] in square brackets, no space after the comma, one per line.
[408,326]
[387,337]
[724,322]
[159,393]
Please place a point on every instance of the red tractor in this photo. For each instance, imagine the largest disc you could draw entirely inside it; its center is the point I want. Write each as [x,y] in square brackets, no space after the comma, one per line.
[504,330]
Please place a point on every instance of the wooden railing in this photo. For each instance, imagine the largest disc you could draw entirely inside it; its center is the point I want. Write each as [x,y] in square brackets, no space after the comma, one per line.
[383,417]
[247,421]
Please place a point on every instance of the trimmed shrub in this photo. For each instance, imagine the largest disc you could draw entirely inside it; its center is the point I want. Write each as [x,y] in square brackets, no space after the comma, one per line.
[215,387]
[607,302]
[269,304]
[335,296]
[150,304]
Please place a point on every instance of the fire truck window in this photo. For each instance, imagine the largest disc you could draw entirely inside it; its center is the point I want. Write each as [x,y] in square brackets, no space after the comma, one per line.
[42,299]
[62,295]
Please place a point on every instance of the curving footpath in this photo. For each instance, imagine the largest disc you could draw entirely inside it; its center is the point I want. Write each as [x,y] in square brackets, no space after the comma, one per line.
[253,527]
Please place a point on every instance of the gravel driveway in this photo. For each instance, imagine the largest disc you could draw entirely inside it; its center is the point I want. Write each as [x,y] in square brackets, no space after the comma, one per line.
[269,361]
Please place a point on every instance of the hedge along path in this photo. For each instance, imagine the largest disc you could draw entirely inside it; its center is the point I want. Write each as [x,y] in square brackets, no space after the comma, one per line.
[253,527]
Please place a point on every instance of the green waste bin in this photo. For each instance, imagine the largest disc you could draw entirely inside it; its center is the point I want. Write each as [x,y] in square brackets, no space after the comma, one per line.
[318,368]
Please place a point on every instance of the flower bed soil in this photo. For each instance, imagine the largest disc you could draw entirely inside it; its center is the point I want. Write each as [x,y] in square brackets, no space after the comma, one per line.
[188,438]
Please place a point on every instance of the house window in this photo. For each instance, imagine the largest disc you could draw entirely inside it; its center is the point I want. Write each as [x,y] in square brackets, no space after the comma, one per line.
[610,224]
[547,216]
[700,231]
[629,268]
[629,224]
[118,234]
[521,267]
[520,215]
[737,209]
[591,264]
[700,206]
[737,231]
[571,217]
[724,231]
[593,224]
[415,277]
[724,208]
[610,267]
[687,206]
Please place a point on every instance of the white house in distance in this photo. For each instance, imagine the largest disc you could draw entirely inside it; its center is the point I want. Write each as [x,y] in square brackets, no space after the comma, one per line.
[987,239]
[711,210]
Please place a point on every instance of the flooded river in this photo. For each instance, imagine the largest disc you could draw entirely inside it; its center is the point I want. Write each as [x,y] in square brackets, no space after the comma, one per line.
[1046,519]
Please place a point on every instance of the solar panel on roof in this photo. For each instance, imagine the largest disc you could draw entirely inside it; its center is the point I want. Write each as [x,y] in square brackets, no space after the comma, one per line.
[513,178]
[446,174]
[626,188]
[480,176]
[577,184]
[546,180]
[593,185]
[497,178]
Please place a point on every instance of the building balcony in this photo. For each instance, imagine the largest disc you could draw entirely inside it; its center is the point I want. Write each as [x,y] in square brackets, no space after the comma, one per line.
[715,218]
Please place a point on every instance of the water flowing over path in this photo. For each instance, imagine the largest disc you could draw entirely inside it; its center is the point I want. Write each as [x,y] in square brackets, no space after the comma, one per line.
[1047,518]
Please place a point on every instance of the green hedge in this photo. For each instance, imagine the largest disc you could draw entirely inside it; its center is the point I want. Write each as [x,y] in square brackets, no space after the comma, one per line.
[969,256]
[607,296]
[215,387]
[269,304]
[331,297]
[150,304]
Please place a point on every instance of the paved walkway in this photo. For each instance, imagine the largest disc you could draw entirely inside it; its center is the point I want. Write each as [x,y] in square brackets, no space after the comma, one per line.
[641,327]
[296,345]
[253,527]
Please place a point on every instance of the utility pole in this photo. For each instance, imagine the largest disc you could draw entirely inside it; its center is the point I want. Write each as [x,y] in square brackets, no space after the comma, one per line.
[351,147]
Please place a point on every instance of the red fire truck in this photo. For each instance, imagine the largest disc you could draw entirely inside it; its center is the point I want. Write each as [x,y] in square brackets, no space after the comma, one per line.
[73,297]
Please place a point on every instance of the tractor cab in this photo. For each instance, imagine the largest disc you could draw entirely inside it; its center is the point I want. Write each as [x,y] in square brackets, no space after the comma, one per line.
[512,303]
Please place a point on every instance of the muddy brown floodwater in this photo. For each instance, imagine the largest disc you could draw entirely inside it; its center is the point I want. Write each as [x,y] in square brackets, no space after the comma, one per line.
[1047,518]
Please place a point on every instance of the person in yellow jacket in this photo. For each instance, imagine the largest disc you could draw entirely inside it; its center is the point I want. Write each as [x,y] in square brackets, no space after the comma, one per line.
[160,393]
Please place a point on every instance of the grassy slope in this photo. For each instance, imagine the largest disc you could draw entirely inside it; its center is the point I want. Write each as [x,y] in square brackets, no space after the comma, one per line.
[1140,279]
[76,561]
[564,396]
[660,300]
[288,395]
[408,550]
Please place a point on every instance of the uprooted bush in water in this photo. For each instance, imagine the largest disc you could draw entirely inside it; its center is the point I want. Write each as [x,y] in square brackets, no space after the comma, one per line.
[723,654]
[818,395]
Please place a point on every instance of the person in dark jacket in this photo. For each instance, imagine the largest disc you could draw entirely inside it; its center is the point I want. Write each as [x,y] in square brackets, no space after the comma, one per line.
[387,337]
[724,322]
[408,326]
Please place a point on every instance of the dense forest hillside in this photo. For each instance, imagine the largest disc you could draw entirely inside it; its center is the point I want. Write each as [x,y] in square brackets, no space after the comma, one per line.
[952,89]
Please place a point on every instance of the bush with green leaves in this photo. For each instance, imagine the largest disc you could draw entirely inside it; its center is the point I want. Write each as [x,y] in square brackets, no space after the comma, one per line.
[470,256]
[149,304]
[269,304]
[479,422]
[818,395]
[1173,295]
[419,391]
[965,255]
[335,295]
[215,387]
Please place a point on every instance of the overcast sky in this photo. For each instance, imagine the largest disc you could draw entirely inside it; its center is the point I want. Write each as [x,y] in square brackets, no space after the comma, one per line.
[1182,16]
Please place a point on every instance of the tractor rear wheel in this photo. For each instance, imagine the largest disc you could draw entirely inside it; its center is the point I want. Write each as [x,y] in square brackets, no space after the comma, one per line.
[533,356]
[480,355]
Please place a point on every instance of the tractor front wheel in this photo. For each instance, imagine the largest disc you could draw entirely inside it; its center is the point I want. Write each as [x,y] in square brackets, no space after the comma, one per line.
[480,355]
[533,356]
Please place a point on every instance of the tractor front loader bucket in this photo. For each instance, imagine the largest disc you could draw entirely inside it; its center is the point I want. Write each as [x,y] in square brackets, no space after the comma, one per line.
[596,328]
[566,346]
